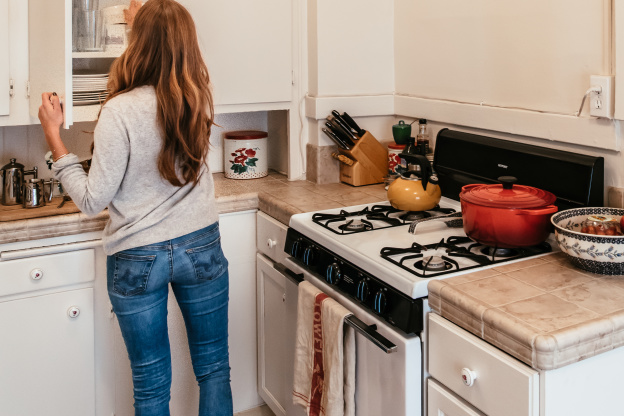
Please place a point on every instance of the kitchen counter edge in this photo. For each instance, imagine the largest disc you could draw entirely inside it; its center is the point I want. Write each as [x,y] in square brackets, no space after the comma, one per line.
[524,311]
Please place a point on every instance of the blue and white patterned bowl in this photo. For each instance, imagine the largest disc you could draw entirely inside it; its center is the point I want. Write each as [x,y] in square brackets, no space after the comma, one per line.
[600,254]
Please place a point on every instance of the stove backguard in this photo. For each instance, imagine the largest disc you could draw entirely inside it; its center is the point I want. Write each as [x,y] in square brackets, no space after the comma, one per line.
[462,158]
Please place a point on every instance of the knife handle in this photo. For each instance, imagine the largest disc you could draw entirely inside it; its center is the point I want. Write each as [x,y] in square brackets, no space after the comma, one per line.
[335,138]
[343,125]
[346,117]
[339,131]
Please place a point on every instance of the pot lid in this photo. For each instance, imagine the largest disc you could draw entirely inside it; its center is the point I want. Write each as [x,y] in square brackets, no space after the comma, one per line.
[12,165]
[506,195]
[246,134]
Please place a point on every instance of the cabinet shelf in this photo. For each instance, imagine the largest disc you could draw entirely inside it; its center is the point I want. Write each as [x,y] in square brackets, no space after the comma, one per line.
[104,54]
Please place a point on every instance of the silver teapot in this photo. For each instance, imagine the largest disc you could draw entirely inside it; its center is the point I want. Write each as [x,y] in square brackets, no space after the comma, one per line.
[13,176]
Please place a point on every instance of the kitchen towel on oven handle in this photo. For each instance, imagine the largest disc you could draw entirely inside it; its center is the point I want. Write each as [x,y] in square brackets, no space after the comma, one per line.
[324,381]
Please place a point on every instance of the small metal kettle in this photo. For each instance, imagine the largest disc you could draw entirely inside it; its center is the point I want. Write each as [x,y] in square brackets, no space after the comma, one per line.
[33,193]
[12,182]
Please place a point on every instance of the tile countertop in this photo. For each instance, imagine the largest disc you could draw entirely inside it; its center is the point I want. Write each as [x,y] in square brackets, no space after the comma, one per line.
[543,311]
[273,194]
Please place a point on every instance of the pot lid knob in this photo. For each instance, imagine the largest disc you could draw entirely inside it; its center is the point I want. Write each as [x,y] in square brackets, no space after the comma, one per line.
[507,181]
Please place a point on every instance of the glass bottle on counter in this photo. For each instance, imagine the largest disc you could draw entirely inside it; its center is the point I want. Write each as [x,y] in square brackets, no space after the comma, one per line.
[422,139]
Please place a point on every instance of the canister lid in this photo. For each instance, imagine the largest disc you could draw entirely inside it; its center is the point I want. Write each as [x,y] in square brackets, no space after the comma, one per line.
[396,146]
[246,135]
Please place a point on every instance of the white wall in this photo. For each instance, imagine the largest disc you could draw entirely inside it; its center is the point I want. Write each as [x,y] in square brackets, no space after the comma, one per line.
[532,54]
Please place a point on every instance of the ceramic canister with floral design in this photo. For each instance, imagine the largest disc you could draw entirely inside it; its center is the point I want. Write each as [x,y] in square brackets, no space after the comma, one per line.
[395,166]
[245,154]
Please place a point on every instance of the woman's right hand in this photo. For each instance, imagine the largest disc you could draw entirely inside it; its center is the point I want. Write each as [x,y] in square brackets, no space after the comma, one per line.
[50,112]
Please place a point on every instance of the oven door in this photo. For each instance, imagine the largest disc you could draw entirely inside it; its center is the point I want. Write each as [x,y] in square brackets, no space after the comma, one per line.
[387,383]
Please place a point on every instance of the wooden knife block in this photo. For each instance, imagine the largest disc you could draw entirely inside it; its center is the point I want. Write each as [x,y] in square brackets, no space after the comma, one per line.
[370,162]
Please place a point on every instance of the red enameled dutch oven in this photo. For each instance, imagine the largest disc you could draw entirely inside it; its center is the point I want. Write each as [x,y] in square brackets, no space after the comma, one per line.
[506,215]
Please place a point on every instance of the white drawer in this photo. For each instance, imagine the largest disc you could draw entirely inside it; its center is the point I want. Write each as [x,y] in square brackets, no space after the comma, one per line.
[271,237]
[441,401]
[503,385]
[46,272]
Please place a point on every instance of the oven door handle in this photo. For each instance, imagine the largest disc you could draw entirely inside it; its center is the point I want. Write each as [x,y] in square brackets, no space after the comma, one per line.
[368,331]
[296,278]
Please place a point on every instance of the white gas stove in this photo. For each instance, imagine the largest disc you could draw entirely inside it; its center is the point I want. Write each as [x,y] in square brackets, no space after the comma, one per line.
[368,253]
[366,258]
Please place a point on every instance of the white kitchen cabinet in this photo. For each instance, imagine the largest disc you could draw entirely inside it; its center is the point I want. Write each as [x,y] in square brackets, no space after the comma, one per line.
[4,57]
[47,352]
[442,402]
[277,316]
[272,363]
[247,46]
[504,386]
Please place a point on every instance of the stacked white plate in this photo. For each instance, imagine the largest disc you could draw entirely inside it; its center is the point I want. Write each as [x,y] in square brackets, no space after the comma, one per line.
[89,88]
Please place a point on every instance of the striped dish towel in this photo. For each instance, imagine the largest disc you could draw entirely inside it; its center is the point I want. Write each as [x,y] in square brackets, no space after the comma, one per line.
[324,381]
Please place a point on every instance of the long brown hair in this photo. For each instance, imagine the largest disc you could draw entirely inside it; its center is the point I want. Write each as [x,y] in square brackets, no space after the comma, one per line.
[163,52]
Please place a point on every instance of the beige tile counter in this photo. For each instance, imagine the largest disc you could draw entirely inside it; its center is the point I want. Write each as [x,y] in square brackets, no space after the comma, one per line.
[273,194]
[543,311]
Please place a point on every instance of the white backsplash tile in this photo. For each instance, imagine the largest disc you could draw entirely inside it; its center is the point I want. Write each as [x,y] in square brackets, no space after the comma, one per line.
[27,143]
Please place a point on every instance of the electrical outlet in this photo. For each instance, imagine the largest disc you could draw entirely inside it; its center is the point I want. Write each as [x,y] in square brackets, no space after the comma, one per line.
[601,104]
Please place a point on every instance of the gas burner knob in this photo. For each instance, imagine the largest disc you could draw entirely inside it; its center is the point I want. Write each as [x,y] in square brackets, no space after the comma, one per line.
[363,290]
[333,275]
[310,255]
[295,249]
[381,301]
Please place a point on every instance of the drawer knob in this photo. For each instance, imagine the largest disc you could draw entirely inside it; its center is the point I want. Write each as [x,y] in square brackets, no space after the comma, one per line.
[468,376]
[73,312]
[271,243]
[36,274]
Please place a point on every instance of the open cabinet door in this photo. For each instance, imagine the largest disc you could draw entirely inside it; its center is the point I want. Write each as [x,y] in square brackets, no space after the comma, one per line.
[4,57]
[50,56]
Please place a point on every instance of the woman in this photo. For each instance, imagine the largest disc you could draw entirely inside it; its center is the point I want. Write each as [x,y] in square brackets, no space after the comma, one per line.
[150,168]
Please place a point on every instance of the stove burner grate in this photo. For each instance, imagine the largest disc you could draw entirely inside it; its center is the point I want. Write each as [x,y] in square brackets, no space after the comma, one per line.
[386,214]
[453,247]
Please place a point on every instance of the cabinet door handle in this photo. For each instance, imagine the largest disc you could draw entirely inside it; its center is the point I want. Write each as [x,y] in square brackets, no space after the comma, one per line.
[73,312]
[468,376]
[36,274]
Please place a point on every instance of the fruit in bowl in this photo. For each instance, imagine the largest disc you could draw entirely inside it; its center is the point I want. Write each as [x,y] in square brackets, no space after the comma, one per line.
[587,249]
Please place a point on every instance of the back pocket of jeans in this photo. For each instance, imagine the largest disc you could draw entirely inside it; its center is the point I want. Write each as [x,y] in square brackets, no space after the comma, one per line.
[131,273]
[208,261]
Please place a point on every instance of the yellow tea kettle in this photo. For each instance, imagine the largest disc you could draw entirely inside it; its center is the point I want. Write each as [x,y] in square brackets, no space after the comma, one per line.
[415,190]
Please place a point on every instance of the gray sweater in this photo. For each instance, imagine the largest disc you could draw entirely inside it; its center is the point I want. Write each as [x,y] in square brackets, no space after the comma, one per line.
[143,207]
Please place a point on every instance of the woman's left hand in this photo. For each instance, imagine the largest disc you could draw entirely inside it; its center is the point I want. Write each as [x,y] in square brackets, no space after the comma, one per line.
[50,112]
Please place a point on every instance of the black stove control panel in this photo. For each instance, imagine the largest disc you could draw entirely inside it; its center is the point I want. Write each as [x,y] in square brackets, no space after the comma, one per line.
[362,288]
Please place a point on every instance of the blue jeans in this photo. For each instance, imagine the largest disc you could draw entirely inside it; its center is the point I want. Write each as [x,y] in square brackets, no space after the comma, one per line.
[138,286]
